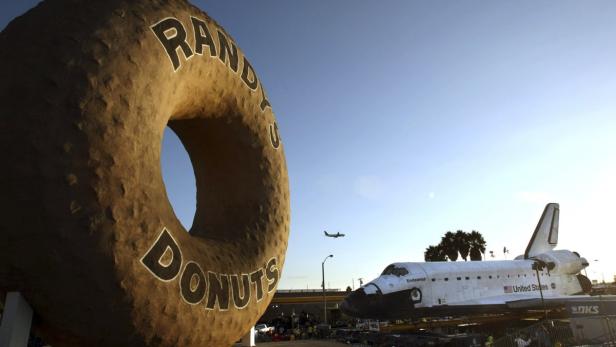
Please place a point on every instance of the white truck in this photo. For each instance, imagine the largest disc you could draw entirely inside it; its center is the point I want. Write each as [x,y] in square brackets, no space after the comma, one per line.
[263,329]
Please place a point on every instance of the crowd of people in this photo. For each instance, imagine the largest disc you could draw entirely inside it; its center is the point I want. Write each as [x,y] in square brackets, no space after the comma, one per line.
[545,334]
[295,327]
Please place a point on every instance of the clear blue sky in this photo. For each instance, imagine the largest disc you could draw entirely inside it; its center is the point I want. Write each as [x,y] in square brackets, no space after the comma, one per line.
[404,119]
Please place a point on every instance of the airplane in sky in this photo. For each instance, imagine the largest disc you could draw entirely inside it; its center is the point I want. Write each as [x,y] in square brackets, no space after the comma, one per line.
[540,278]
[336,235]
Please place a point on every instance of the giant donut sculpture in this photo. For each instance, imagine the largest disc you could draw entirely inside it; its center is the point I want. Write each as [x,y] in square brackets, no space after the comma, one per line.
[88,235]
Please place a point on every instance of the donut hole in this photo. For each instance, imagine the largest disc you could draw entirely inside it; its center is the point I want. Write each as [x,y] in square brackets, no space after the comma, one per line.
[179,178]
[231,174]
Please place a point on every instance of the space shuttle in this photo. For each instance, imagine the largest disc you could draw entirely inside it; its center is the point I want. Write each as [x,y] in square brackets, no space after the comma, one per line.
[540,278]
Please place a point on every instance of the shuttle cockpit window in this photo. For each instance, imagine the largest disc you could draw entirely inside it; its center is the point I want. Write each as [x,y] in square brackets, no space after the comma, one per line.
[395,270]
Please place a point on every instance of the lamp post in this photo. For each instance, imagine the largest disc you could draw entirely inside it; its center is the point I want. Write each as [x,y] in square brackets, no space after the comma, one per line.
[323,285]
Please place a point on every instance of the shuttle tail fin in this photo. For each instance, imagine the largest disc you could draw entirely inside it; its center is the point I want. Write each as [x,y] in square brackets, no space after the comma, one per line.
[545,236]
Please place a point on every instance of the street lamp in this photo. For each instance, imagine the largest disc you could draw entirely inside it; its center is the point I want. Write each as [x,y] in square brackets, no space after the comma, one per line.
[323,285]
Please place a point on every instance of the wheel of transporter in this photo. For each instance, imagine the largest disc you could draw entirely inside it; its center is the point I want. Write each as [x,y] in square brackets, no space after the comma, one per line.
[88,234]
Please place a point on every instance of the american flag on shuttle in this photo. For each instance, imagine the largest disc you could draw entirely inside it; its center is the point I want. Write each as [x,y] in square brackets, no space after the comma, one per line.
[508,289]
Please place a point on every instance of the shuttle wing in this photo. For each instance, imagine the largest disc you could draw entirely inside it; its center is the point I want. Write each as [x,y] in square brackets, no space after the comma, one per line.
[494,300]
[530,302]
[559,301]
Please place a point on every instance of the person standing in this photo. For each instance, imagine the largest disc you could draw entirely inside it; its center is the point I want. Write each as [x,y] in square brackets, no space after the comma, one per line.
[520,342]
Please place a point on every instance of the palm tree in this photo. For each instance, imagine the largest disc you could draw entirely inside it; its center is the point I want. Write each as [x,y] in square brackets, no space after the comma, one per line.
[450,246]
[462,243]
[477,245]
[434,253]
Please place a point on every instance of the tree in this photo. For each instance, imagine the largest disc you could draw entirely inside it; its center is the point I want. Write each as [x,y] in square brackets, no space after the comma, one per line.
[477,245]
[459,243]
[462,243]
[435,253]
[449,245]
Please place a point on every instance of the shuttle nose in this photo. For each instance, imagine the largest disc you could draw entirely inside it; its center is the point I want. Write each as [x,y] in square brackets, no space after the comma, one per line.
[353,302]
[348,308]
[376,305]
[361,305]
